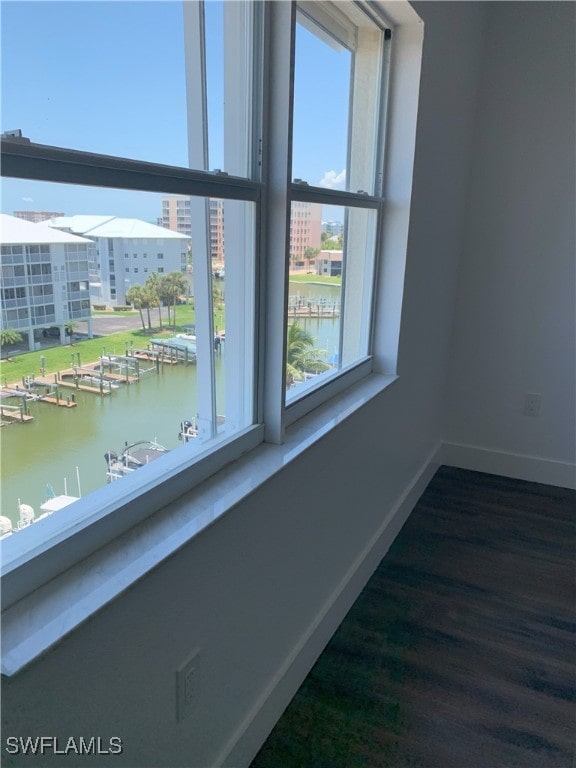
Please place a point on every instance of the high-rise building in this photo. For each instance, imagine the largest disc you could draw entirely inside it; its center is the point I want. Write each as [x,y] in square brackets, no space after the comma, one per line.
[176,216]
[305,230]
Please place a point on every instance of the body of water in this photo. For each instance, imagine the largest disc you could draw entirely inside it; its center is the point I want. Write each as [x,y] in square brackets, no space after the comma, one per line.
[46,451]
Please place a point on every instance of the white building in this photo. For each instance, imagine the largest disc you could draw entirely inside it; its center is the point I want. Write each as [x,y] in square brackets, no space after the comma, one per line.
[44,278]
[125,252]
[329,263]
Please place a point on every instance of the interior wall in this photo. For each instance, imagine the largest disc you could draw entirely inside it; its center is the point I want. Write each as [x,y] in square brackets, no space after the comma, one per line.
[260,591]
[514,326]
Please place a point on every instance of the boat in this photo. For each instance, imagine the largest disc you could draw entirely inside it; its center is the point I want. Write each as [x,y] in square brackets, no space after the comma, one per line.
[27,515]
[188,431]
[132,457]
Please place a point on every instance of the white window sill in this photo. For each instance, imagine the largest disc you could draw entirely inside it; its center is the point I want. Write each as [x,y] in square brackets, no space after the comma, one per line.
[34,624]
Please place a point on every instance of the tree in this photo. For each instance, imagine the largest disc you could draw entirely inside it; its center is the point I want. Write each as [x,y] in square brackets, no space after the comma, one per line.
[154,285]
[9,336]
[70,326]
[166,294]
[332,244]
[149,299]
[134,297]
[301,354]
[176,285]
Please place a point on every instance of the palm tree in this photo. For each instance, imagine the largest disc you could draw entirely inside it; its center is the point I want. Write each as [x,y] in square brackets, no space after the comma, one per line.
[176,286]
[154,285]
[134,297]
[301,354]
[149,299]
[9,336]
[166,294]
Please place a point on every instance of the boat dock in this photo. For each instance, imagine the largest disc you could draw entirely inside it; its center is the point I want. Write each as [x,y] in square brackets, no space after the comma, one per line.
[75,384]
[9,413]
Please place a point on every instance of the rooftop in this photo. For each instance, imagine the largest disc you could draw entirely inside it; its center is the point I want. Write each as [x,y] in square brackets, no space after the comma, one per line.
[114,226]
[15,231]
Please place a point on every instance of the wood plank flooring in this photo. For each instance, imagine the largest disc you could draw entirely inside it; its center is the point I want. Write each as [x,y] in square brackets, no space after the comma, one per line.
[460,651]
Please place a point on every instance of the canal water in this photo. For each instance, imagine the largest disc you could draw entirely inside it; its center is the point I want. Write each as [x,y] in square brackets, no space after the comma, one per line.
[45,452]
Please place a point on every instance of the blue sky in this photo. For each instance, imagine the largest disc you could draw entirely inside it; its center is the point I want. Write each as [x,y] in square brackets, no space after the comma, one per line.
[108,77]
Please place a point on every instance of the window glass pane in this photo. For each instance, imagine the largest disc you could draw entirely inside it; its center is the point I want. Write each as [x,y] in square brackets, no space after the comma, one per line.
[220,90]
[330,293]
[336,110]
[109,354]
[108,78]
[128,79]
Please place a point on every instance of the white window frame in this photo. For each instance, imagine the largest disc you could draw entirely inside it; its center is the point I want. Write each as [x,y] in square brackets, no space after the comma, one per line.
[112,514]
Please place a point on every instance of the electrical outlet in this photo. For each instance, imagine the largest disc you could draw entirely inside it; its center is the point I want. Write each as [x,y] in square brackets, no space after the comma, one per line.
[187,686]
[532,403]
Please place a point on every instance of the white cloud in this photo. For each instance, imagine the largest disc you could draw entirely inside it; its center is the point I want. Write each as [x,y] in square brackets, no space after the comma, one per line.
[28,199]
[333,180]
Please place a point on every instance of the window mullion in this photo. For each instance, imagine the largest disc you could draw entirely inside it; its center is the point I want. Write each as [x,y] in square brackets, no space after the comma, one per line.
[195,51]
[277,163]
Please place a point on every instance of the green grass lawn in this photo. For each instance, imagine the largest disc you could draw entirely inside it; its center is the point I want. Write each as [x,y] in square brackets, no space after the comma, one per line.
[63,357]
[315,279]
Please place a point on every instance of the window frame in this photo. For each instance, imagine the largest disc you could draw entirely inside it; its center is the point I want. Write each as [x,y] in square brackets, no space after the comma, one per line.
[272,194]
[328,20]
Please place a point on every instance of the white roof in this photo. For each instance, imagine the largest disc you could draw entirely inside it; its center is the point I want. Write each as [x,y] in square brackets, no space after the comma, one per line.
[15,231]
[114,226]
[81,224]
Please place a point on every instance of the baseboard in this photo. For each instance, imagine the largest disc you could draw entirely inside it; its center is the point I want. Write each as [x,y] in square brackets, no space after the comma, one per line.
[256,726]
[519,466]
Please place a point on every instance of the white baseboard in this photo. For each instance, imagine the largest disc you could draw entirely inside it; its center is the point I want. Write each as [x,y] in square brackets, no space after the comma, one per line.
[519,466]
[259,721]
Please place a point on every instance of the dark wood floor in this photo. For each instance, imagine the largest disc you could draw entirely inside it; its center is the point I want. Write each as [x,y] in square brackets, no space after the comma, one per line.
[460,652]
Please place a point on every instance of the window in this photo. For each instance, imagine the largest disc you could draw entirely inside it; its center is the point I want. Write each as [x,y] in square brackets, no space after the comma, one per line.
[283,312]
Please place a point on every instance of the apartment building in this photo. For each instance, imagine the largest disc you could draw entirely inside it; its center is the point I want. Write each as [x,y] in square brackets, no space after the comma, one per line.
[333,227]
[176,217]
[124,252]
[329,263]
[44,278]
[305,225]
[305,230]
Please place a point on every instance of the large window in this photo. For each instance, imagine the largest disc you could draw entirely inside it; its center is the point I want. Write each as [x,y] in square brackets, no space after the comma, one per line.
[264,222]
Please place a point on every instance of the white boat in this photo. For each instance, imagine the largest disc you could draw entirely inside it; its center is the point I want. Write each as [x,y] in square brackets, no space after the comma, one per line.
[27,515]
[132,457]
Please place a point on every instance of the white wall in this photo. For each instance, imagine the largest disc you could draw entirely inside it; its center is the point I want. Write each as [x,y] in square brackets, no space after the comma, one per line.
[514,327]
[262,590]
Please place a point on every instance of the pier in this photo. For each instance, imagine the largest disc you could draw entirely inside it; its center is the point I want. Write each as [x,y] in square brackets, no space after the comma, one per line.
[75,384]
[10,413]
[319,308]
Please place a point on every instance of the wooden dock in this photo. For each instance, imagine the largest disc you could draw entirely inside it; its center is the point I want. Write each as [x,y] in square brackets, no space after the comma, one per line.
[60,401]
[14,413]
[59,382]
[95,373]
